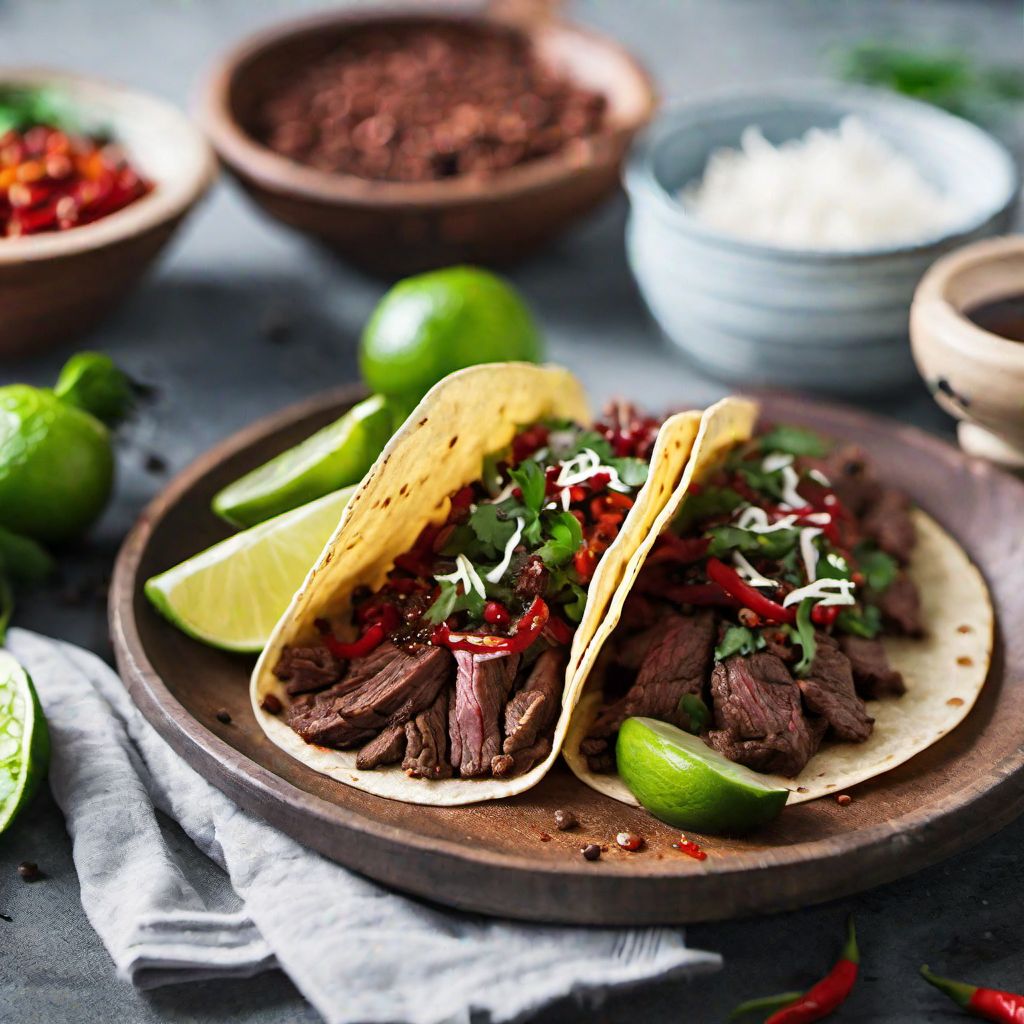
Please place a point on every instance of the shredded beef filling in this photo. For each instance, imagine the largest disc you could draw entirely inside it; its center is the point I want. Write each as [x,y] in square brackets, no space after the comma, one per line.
[873,676]
[828,691]
[308,669]
[482,684]
[426,738]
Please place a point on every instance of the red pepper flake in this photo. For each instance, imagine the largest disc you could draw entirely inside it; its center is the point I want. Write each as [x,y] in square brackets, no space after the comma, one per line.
[844,799]
[545,838]
[690,848]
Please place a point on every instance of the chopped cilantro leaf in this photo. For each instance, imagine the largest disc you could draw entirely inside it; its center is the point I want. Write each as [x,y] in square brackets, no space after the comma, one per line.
[762,482]
[492,527]
[530,479]
[865,622]
[833,566]
[793,441]
[695,711]
[804,636]
[878,568]
[774,545]
[738,640]
[452,600]
[565,535]
[712,501]
[632,472]
[587,439]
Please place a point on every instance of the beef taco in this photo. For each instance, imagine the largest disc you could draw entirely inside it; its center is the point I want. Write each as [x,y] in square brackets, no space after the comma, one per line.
[429,654]
[798,614]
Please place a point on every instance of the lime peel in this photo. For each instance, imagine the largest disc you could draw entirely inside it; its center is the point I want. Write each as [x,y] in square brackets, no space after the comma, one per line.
[24,740]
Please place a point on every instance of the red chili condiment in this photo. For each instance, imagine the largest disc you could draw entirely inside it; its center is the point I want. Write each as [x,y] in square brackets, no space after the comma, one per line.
[731,582]
[527,630]
[988,1003]
[690,848]
[52,181]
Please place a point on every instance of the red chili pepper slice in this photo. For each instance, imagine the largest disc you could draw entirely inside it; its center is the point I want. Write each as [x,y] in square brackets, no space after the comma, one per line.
[528,628]
[990,1003]
[730,581]
[560,631]
[829,993]
[368,642]
[585,563]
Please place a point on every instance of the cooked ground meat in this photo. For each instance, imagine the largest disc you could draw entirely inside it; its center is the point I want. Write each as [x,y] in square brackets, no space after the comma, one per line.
[407,681]
[308,669]
[873,676]
[900,605]
[828,691]
[482,683]
[387,748]
[426,737]
[758,718]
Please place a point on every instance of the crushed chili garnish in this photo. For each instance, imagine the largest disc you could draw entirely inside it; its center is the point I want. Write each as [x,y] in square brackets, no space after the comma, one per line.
[690,848]
[51,180]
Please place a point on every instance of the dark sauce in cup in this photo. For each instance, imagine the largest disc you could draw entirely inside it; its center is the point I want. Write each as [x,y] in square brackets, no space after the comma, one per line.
[1004,317]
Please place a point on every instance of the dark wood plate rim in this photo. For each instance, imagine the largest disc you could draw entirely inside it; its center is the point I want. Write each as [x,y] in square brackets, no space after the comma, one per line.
[997,796]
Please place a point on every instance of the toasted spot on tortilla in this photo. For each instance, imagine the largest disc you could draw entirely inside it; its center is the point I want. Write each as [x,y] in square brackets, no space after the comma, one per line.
[452,442]
[955,702]
[965,661]
[965,629]
[385,502]
[422,421]
[403,490]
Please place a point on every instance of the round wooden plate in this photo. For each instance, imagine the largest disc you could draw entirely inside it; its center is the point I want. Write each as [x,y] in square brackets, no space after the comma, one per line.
[507,858]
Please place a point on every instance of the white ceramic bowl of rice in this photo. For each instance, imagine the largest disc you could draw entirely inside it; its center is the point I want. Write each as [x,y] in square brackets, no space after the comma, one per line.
[789,255]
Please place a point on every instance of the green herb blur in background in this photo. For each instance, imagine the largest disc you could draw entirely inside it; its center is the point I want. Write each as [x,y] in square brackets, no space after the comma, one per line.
[22,107]
[947,78]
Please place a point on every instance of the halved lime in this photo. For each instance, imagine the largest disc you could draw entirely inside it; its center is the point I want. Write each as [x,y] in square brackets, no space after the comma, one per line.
[685,783]
[231,595]
[24,740]
[334,457]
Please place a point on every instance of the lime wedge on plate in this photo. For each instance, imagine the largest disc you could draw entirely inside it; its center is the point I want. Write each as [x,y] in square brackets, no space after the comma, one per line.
[231,595]
[24,740]
[685,783]
[336,456]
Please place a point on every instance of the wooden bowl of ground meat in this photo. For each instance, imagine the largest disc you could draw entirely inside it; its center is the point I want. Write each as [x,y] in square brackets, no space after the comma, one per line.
[408,140]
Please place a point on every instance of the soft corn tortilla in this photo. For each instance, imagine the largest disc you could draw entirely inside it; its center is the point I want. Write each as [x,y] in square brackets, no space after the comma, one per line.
[944,671]
[439,449]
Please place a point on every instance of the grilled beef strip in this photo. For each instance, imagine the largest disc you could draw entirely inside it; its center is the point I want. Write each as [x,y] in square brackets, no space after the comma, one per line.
[758,717]
[828,691]
[534,708]
[900,605]
[426,738]
[677,662]
[482,683]
[407,681]
[386,748]
[849,472]
[505,766]
[888,523]
[873,676]
[308,669]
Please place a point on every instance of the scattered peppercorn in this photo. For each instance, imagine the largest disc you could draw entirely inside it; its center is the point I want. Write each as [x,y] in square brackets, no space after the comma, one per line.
[155,464]
[7,918]
[844,799]
[545,837]
[565,820]
[29,871]
[271,704]
[224,716]
[591,851]
[630,841]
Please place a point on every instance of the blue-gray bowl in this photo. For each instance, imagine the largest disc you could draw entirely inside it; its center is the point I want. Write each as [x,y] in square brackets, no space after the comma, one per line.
[818,319]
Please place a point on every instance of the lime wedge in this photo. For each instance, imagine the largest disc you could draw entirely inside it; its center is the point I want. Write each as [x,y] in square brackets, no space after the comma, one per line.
[231,595]
[682,781]
[334,457]
[24,740]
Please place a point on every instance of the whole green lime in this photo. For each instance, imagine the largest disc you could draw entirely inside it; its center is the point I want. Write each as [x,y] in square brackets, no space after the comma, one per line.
[430,325]
[56,465]
[685,783]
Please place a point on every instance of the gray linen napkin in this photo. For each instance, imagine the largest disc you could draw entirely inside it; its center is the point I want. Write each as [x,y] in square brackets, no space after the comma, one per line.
[356,951]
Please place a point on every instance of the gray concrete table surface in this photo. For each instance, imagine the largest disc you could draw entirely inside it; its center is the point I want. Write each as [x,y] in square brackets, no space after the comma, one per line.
[206,329]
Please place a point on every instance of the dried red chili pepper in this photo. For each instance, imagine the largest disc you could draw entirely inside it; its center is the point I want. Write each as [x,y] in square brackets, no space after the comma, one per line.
[366,644]
[829,993]
[988,1003]
[528,628]
[731,582]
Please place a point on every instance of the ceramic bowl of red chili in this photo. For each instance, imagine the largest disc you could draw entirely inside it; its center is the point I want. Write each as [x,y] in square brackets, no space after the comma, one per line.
[94,180]
[407,140]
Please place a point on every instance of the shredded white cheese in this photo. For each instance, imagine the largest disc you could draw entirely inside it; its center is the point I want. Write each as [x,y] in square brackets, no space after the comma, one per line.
[846,188]
[816,474]
[494,576]
[825,591]
[466,574]
[755,520]
[791,497]
[808,552]
[750,574]
[775,461]
[584,466]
